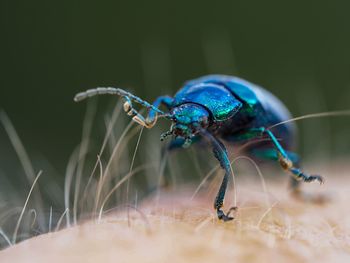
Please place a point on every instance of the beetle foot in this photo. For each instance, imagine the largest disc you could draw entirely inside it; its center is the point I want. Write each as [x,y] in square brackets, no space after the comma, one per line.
[226,217]
[300,176]
[311,178]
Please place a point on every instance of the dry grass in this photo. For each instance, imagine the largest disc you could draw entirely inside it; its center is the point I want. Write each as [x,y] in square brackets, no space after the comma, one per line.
[176,229]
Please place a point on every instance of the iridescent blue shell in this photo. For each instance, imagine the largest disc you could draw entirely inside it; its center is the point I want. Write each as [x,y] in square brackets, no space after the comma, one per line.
[250,94]
[257,107]
[219,101]
[242,89]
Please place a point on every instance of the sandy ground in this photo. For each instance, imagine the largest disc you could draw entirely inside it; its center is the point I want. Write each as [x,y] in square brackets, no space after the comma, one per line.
[273,229]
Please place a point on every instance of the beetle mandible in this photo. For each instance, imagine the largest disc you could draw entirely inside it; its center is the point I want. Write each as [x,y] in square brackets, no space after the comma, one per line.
[222,108]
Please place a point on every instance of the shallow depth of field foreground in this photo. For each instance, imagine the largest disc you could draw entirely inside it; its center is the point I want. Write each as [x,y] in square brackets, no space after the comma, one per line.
[270,227]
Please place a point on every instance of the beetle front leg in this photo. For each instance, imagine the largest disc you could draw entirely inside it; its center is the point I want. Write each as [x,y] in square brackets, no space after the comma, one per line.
[151,118]
[136,116]
[220,153]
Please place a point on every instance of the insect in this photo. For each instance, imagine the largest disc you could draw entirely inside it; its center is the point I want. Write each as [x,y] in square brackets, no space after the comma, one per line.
[217,109]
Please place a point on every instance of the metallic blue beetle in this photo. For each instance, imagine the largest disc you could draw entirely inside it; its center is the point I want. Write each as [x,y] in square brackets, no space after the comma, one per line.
[222,108]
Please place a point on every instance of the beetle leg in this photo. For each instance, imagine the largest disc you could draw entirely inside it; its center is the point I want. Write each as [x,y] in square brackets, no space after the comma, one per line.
[296,191]
[136,116]
[151,118]
[167,101]
[220,153]
[287,164]
[285,160]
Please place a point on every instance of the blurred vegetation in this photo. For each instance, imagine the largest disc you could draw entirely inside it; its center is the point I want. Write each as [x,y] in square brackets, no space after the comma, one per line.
[51,50]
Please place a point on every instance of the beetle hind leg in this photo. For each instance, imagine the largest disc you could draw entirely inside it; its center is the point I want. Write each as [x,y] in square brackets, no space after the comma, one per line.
[286,162]
[295,180]
[298,175]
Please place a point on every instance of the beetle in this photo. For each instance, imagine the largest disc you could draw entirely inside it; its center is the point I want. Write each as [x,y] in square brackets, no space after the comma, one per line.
[221,109]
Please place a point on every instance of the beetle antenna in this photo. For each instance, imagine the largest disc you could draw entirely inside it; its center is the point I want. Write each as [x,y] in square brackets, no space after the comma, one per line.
[115,91]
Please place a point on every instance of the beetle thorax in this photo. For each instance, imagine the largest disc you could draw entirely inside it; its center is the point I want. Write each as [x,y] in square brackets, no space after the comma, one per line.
[188,119]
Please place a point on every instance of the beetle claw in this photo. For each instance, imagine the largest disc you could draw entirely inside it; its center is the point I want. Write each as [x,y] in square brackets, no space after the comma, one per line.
[300,176]
[226,217]
[318,178]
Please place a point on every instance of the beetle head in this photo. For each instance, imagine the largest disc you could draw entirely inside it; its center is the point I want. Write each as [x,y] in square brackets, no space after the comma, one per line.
[187,119]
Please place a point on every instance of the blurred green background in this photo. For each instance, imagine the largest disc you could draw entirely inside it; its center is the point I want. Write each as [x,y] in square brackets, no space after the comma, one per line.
[51,50]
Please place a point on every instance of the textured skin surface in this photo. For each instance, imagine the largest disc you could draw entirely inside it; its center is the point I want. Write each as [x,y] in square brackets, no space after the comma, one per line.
[177,228]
